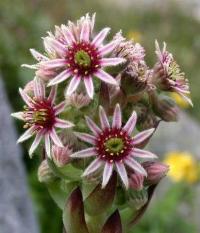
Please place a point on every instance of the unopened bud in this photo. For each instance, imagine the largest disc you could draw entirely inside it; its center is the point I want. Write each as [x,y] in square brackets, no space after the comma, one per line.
[165,108]
[155,171]
[138,199]
[45,74]
[78,100]
[61,155]
[45,174]
[136,181]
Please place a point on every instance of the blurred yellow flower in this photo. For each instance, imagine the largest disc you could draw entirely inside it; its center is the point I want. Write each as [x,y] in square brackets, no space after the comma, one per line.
[183,167]
[136,36]
[179,100]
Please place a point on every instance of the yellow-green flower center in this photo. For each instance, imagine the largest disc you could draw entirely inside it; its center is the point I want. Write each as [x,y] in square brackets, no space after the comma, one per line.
[82,58]
[114,145]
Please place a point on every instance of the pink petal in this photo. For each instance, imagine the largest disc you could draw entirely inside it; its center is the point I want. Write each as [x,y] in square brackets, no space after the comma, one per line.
[89,86]
[59,108]
[52,94]
[103,118]
[60,77]
[28,133]
[133,164]
[85,31]
[106,77]
[143,154]
[39,88]
[140,137]
[112,61]
[99,38]
[108,48]
[73,85]
[117,117]
[63,124]
[68,35]
[57,46]
[107,172]
[86,137]
[130,125]
[54,63]
[94,166]
[47,145]
[93,127]
[38,56]
[89,152]
[181,90]
[122,173]
[55,138]
[35,143]
[25,97]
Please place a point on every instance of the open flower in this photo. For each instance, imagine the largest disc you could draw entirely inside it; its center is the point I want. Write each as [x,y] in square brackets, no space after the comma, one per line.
[74,53]
[168,76]
[114,147]
[41,117]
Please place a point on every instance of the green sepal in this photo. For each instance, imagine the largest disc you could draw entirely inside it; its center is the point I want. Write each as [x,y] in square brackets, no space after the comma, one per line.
[113,224]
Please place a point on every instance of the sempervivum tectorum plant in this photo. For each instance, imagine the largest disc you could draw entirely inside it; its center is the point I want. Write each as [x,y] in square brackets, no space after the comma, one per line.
[41,117]
[114,146]
[168,75]
[75,52]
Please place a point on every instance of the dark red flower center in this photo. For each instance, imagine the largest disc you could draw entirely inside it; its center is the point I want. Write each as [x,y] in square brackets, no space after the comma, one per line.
[113,145]
[41,115]
[83,59]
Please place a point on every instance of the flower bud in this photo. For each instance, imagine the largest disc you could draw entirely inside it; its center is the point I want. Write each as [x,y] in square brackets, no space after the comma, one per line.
[45,174]
[45,74]
[61,155]
[78,100]
[138,199]
[165,108]
[155,171]
[136,181]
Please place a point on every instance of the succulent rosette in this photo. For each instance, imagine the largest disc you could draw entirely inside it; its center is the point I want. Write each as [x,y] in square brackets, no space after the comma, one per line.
[41,117]
[93,106]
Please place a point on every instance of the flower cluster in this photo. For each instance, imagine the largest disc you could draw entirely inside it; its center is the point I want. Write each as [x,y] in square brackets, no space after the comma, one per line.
[93,106]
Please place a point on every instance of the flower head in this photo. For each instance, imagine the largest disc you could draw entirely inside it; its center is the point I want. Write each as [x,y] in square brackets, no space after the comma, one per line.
[41,117]
[168,75]
[74,52]
[114,147]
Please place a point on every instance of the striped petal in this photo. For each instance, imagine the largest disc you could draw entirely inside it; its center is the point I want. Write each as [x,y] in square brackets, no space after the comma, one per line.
[130,125]
[94,166]
[141,137]
[60,77]
[135,166]
[107,172]
[85,31]
[122,173]
[39,88]
[35,143]
[86,137]
[28,133]
[52,94]
[103,118]
[63,124]
[59,108]
[47,145]
[68,35]
[55,138]
[108,48]
[25,97]
[73,85]
[54,63]
[89,86]
[117,117]
[112,61]
[93,127]
[99,38]
[143,154]
[56,45]
[38,56]
[89,152]
[107,78]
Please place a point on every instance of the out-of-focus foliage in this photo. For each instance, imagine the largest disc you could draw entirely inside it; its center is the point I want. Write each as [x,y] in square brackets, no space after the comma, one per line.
[23,23]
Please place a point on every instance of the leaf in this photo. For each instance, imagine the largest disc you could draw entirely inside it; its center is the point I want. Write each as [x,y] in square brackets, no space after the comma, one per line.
[100,199]
[113,224]
[73,213]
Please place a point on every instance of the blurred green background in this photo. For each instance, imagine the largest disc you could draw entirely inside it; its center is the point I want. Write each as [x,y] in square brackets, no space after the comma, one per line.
[23,23]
